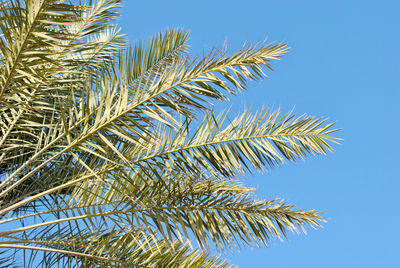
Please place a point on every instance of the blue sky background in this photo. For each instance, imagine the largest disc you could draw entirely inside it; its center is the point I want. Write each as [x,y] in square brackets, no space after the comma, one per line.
[344,63]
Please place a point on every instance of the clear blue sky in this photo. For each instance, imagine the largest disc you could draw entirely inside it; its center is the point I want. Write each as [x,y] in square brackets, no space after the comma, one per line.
[344,63]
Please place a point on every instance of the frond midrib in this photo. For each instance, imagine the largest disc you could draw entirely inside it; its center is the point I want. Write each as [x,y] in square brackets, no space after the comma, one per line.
[186,148]
[268,210]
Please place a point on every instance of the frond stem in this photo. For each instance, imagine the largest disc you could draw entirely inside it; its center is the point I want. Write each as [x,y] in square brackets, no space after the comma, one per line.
[109,213]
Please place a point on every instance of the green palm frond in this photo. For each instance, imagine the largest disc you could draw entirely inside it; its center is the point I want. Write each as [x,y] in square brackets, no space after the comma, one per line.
[103,161]
[32,106]
[99,245]
[127,249]
[146,59]
[29,42]
[206,208]
[37,115]
[260,139]
[185,87]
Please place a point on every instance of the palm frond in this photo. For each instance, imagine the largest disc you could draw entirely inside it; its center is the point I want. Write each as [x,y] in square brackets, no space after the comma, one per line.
[223,211]
[28,41]
[260,140]
[111,248]
[37,114]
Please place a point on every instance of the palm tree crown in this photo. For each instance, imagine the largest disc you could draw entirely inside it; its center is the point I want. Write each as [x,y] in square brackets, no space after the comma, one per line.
[111,155]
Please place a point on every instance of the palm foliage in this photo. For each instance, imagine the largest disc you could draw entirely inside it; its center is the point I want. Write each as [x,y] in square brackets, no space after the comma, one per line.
[103,158]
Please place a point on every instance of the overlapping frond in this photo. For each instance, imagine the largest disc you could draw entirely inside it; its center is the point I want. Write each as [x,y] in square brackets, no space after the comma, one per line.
[39,68]
[31,34]
[29,41]
[181,207]
[31,118]
[113,248]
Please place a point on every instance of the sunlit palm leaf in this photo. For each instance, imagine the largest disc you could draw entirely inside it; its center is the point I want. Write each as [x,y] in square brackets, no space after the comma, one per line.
[260,140]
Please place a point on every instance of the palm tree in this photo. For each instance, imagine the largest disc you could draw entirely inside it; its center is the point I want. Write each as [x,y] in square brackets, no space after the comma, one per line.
[111,155]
